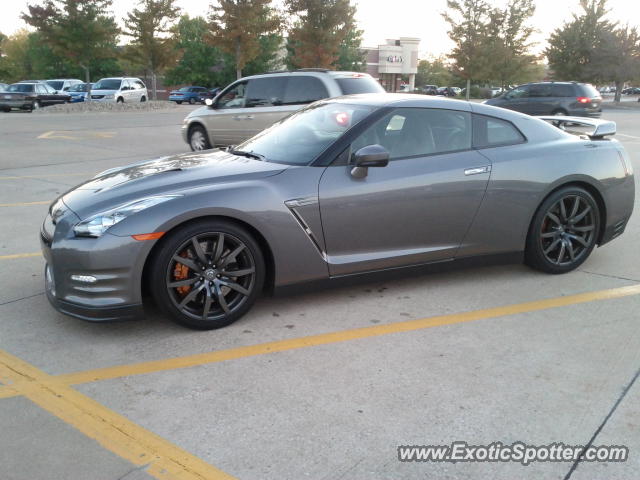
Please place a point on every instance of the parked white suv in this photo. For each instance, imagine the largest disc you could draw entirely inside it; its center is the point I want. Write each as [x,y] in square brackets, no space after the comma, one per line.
[251,104]
[63,84]
[119,89]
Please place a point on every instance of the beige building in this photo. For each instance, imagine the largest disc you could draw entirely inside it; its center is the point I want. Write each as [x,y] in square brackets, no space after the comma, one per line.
[393,60]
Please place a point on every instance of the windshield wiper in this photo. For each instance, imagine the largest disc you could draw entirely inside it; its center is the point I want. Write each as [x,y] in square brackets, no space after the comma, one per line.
[243,153]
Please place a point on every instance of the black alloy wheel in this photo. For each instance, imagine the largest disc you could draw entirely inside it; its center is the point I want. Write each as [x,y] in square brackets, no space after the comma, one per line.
[212,273]
[564,231]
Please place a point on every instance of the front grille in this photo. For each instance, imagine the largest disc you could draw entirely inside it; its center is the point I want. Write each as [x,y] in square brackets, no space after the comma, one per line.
[97,97]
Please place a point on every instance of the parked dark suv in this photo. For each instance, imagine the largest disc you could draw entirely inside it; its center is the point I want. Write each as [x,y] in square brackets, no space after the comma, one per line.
[552,98]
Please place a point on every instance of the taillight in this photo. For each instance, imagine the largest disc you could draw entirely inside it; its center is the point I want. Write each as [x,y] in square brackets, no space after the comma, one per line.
[583,100]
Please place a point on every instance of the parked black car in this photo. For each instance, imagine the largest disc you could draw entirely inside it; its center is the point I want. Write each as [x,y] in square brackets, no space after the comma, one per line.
[430,89]
[552,98]
[631,91]
[30,96]
[210,93]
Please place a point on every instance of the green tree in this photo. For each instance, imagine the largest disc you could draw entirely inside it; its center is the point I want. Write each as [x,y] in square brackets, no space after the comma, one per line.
[351,57]
[508,40]
[199,62]
[433,72]
[79,31]
[320,29]
[572,48]
[619,57]
[238,27]
[151,26]
[468,29]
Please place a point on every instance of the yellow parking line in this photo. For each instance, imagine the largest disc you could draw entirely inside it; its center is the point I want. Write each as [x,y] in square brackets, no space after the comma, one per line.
[20,255]
[113,431]
[340,336]
[25,204]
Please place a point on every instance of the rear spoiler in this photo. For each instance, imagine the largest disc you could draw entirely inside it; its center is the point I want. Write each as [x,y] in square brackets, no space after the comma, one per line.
[601,128]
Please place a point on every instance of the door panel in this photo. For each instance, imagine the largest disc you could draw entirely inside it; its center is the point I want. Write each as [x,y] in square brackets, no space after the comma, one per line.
[414,210]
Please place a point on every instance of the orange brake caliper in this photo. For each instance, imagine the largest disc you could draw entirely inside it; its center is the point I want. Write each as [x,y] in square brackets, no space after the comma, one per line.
[181,272]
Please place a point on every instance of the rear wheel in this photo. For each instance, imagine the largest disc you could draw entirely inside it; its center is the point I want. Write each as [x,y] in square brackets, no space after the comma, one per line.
[192,101]
[564,231]
[36,105]
[143,98]
[208,274]
[198,139]
[559,113]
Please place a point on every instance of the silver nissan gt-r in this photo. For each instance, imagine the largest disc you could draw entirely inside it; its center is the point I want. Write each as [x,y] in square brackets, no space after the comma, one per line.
[345,186]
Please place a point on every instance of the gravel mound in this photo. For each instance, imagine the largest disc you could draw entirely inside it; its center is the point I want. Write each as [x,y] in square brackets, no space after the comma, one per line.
[85,107]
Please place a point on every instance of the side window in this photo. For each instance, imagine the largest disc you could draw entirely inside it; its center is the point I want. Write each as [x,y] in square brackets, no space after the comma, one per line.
[494,132]
[265,92]
[540,90]
[304,89]
[410,132]
[562,90]
[40,89]
[519,92]
[49,89]
[139,84]
[234,97]
[125,85]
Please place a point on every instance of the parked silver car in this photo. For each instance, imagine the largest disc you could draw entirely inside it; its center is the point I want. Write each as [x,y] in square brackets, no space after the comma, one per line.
[254,103]
[63,84]
[119,89]
[345,186]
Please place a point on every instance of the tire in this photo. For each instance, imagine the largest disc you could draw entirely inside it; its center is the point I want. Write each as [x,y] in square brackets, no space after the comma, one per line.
[143,99]
[120,100]
[179,102]
[559,113]
[36,105]
[192,101]
[198,139]
[200,293]
[6,110]
[563,234]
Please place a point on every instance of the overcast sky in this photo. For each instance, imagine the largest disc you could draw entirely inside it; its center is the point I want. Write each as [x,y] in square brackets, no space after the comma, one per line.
[382,19]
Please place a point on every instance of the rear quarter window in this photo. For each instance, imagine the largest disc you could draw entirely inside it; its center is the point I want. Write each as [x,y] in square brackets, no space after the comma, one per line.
[494,132]
[353,85]
[304,89]
[563,91]
[589,91]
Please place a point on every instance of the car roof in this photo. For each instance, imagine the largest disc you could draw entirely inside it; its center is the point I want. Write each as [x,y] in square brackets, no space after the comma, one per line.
[311,72]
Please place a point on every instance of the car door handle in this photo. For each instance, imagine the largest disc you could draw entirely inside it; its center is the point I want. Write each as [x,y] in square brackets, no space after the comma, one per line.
[243,117]
[478,170]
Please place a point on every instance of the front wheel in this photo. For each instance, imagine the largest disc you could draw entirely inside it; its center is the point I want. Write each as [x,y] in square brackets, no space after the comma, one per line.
[208,274]
[120,100]
[564,231]
[198,139]
[192,101]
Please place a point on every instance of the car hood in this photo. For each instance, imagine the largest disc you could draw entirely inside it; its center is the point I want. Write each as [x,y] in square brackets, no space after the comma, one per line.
[175,174]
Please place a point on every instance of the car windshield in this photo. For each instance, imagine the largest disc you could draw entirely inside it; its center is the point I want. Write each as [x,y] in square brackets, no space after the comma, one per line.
[300,138]
[21,87]
[79,87]
[108,84]
[56,84]
[184,89]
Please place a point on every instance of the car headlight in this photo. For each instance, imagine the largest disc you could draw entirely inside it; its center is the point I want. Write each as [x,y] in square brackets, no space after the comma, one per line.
[96,225]
[111,96]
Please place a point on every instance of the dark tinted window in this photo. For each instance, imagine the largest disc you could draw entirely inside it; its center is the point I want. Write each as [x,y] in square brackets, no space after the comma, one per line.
[561,90]
[351,85]
[265,92]
[408,132]
[493,132]
[57,85]
[518,92]
[540,90]
[21,87]
[108,84]
[305,89]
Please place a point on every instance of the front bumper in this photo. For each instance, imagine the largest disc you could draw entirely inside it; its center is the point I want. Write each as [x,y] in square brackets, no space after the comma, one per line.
[115,263]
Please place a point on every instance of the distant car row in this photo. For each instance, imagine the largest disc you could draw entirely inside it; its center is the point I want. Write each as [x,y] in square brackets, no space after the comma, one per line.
[34,94]
[443,91]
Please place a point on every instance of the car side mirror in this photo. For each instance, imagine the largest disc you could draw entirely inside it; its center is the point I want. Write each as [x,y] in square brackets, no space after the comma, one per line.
[209,102]
[369,156]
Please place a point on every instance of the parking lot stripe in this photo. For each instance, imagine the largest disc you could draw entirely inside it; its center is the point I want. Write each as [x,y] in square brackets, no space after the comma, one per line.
[20,255]
[25,204]
[160,458]
[341,336]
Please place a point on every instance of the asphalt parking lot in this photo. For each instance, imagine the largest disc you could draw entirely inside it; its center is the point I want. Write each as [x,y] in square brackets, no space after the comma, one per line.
[319,385]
